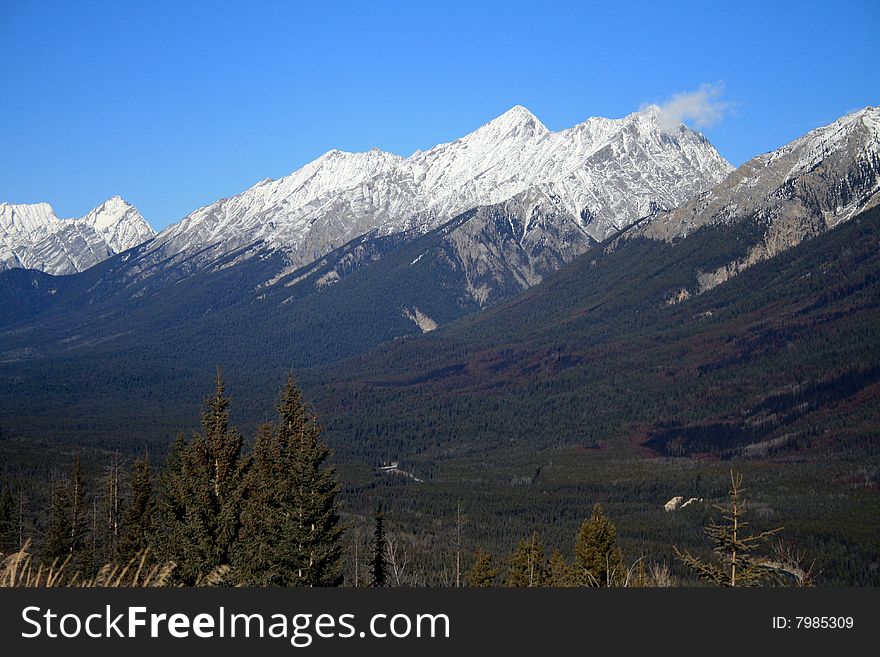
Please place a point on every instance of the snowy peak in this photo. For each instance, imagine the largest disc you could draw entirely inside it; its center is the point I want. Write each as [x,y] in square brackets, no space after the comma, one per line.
[796,192]
[649,123]
[869,117]
[608,171]
[119,223]
[25,218]
[334,170]
[518,114]
[651,117]
[648,118]
[857,133]
[830,173]
[32,235]
[515,121]
[266,210]
[108,214]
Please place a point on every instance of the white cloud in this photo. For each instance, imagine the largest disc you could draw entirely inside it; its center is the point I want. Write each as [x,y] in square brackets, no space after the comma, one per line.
[703,108]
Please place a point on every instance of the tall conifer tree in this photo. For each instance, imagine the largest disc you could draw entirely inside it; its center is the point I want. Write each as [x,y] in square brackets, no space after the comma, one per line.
[527,568]
[483,571]
[378,563]
[597,559]
[56,545]
[139,515]
[202,490]
[291,534]
[734,546]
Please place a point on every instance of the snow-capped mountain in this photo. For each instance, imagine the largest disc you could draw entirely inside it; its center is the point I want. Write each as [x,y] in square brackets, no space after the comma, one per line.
[32,236]
[798,191]
[605,172]
[258,308]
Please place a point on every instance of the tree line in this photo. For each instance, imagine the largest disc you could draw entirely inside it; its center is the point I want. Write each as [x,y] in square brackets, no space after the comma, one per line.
[270,517]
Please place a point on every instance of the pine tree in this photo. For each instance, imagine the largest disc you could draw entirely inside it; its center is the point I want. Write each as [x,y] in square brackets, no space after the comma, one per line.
[527,568]
[735,565]
[56,545]
[483,571]
[172,506]
[291,533]
[559,572]
[378,565]
[138,517]
[201,496]
[598,561]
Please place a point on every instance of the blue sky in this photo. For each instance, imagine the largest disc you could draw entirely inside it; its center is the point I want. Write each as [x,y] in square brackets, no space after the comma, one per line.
[173,105]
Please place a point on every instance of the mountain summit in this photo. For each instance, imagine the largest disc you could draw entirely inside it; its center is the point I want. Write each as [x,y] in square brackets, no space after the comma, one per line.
[32,236]
[606,172]
[793,193]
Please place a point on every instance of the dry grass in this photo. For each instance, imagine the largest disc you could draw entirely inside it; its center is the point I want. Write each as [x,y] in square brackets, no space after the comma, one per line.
[17,569]
[20,570]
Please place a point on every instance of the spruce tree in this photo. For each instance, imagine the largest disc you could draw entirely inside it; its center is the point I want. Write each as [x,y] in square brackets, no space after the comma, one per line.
[172,505]
[291,533]
[378,563]
[598,561]
[138,517]
[201,494]
[56,545]
[527,568]
[483,571]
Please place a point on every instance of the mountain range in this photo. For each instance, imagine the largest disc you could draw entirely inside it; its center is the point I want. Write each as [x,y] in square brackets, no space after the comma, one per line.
[607,312]
[603,174]
[229,271]
[597,177]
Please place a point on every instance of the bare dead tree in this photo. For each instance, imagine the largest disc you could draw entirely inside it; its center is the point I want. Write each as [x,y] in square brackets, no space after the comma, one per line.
[445,579]
[460,521]
[789,565]
[357,541]
[357,574]
[112,493]
[398,560]
[94,529]
[660,575]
